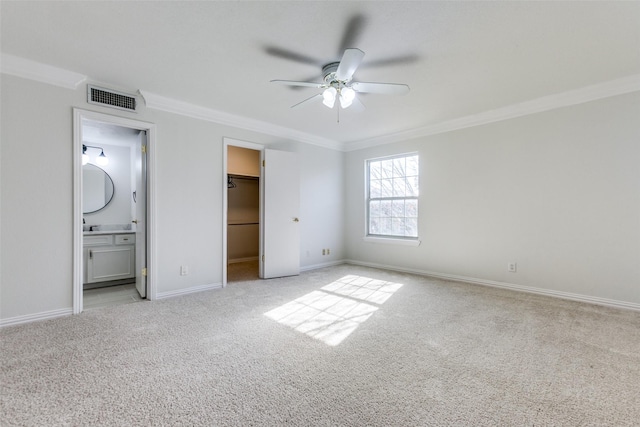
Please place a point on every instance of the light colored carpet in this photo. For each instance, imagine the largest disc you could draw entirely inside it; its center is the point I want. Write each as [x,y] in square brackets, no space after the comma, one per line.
[341,346]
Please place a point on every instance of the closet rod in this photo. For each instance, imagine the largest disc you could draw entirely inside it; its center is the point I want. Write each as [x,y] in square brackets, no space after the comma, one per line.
[234,176]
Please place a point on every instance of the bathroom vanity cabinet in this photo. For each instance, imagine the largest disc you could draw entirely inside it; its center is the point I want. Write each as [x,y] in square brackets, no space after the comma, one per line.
[109,257]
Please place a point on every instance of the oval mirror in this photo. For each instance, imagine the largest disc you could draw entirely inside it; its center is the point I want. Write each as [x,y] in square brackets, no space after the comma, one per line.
[97,188]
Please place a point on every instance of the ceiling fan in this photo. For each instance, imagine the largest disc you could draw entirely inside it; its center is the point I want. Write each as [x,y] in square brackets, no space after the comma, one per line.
[338,84]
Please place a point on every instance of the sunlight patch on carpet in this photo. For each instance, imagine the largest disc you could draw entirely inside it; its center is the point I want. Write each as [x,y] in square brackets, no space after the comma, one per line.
[336,310]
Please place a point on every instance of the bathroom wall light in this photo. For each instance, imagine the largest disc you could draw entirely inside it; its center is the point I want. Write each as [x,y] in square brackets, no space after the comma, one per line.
[85,156]
[101,160]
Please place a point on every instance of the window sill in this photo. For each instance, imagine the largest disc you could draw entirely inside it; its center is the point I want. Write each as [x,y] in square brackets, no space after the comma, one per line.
[392,241]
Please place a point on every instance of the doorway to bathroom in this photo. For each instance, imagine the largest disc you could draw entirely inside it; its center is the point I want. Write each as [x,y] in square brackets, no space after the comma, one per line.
[111,210]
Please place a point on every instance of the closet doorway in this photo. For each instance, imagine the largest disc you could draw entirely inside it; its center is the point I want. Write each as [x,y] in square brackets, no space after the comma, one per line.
[243,214]
[275,174]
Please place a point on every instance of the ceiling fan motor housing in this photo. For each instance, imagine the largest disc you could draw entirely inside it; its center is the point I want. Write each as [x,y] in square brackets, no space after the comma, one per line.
[329,74]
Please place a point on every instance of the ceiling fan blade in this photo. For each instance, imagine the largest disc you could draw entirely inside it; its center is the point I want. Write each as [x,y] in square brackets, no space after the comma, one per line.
[352,32]
[349,63]
[311,79]
[317,97]
[382,88]
[294,83]
[292,56]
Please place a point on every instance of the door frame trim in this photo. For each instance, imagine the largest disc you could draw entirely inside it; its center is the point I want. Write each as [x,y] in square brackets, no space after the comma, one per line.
[78,116]
[226,142]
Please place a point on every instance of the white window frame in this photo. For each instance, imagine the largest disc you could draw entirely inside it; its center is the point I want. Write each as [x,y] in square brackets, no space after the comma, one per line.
[381,238]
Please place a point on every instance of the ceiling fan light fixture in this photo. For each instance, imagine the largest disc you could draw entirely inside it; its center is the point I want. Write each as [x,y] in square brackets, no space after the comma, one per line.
[345,103]
[337,82]
[329,96]
[346,96]
[348,93]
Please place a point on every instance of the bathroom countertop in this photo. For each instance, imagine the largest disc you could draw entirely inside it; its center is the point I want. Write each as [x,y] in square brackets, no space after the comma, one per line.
[99,232]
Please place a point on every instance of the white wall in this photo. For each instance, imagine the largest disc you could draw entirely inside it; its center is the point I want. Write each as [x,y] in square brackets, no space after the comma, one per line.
[37,197]
[557,192]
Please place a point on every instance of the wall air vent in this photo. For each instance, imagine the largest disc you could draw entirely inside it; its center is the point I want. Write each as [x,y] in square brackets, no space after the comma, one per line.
[109,98]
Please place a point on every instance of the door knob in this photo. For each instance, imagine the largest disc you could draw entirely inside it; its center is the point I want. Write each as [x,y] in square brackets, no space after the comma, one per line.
[135,221]
[296,220]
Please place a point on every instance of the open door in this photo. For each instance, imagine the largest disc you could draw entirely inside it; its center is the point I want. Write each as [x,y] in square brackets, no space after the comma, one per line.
[281,233]
[140,207]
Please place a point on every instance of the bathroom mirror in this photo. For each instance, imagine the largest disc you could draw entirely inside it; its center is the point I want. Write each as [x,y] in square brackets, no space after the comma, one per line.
[97,188]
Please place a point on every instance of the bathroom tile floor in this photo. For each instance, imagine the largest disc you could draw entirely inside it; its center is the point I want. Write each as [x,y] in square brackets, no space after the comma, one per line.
[110,296]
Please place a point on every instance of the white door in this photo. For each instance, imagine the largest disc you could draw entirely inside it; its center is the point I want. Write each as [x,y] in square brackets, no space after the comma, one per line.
[140,208]
[281,222]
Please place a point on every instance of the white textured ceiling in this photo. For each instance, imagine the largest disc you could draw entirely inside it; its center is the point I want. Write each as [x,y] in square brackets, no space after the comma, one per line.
[459,58]
[98,133]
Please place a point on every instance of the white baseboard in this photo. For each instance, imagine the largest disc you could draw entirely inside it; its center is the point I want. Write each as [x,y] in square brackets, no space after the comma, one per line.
[46,315]
[201,288]
[503,285]
[52,314]
[322,265]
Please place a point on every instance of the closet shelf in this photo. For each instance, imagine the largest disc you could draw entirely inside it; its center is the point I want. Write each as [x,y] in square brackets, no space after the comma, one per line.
[243,223]
[249,177]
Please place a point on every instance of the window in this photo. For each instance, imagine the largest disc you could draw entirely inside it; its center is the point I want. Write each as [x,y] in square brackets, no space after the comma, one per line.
[392,197]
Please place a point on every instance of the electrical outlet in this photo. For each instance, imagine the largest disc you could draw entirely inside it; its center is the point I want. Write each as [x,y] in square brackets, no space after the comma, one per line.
[328,251]
[184,270]
[512,267]
[324,252]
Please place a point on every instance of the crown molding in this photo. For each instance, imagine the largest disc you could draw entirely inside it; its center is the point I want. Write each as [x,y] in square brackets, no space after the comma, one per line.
[44,73]
[564,99]
[158,102]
